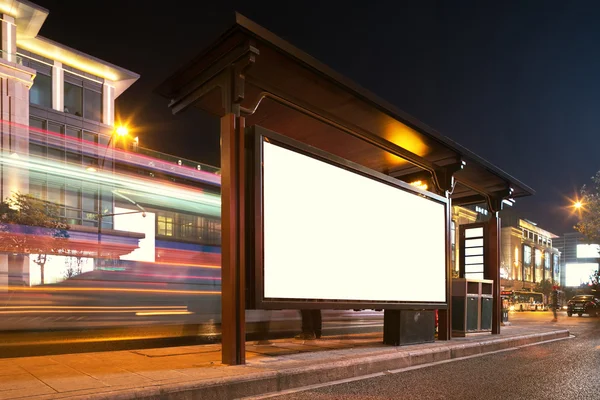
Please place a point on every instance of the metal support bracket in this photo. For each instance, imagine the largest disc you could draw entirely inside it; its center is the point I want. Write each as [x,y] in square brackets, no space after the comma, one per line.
[444,176]
[496,200]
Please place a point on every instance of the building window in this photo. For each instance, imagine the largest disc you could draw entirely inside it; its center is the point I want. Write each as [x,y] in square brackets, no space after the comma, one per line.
[73,99]
[539,272]
[527,268]
[92,101]
[547,266]
[41,92]
[165,226]
[556,268]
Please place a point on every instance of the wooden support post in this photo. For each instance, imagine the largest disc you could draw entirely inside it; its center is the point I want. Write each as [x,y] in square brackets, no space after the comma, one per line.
[445,316]
[233,328]
[492,270]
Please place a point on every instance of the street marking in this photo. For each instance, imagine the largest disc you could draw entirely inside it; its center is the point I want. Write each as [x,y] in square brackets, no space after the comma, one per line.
[391,372]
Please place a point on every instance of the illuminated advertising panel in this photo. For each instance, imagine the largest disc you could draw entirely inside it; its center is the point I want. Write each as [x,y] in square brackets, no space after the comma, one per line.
[579,274]
[588,251]
[135,221]
[334,233]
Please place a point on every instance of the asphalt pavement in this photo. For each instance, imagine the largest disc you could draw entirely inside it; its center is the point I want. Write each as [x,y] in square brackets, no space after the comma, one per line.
[565,369]
[194,372]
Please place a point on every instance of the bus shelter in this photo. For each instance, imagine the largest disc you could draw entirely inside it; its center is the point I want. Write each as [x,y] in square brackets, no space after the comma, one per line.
[290,124]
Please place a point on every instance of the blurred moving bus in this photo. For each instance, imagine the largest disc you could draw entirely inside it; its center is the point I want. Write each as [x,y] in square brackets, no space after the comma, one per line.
[522,300]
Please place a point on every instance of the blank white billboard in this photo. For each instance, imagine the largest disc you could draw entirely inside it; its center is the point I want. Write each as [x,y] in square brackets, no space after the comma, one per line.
[332,234]
[588,251]
[577,274]
[132,221]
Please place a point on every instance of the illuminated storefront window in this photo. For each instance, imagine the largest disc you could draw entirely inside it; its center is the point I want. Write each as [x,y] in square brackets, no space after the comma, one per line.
[527,267]
[539,273]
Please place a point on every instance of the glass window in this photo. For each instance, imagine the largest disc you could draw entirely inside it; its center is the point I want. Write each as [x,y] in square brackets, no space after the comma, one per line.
[37,150]
[37,185]
[72,196]
[527,268]
[93,105]
[36,123]
[539,273]
[92,138]
[56,128]
[73,99]
[164,225]
[41,91]
[56,154]
[556,268]
[73,133]
[187,227]
[55,193]
[90,200]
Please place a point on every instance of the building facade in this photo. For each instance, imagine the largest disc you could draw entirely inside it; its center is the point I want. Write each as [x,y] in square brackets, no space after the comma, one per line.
[528,256]
[59,144]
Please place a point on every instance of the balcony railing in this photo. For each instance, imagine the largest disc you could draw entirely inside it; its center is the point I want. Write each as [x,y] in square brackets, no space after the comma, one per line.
[12,57]
[177,160]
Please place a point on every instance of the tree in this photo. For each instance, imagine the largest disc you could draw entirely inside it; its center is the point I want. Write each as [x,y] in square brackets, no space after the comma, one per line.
[29,225]
[74,264]
[544,287]
[589,219]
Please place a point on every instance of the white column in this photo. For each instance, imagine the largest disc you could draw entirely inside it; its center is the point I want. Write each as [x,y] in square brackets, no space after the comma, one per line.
[58,87]
[9,37]
[108,103]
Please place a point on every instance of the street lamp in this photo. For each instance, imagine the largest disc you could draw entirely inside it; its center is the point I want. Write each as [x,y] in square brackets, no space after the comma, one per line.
[121,131]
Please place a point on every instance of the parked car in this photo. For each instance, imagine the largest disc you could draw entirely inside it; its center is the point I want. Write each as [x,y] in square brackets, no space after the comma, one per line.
[583,304]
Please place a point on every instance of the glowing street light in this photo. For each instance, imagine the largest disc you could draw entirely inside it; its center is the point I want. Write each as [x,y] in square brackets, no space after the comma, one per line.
[122,131]
[578,205]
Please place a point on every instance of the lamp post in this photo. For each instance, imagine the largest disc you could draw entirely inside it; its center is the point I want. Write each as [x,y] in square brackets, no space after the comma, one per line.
[121,132]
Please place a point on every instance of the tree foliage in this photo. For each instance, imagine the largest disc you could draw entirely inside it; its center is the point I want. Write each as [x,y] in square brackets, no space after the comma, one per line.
[544,287]
[29,225]
[589,218]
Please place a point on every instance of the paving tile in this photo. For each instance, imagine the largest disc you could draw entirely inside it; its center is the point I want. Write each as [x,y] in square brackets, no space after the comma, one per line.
[17,381]
[10,369]
[116,357]
[63,378]
[26,362]
[33,390]
[174,351]
[157,374]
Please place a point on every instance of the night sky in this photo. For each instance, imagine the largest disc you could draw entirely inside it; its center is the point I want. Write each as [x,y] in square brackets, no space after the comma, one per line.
[516,82]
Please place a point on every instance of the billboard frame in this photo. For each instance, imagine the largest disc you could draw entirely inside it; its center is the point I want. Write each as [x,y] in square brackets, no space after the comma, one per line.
[255,244]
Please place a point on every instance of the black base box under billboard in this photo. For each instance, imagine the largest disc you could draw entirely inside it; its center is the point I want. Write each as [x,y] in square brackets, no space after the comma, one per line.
[402,327]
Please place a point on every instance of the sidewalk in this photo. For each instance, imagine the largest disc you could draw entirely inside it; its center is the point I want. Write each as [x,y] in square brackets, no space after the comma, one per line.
[196,371]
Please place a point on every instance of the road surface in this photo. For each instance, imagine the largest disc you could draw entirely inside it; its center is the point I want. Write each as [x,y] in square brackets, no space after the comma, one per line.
[566,369]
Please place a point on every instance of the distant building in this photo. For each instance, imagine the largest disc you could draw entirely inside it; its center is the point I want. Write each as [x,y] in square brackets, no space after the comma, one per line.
[528,253]
[59,144]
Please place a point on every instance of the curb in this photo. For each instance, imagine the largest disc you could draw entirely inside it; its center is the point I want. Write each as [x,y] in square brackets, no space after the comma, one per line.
[263,382]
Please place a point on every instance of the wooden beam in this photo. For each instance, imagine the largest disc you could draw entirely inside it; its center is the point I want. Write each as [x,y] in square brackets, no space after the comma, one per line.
[233,332]
[445,316]
[492,268]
